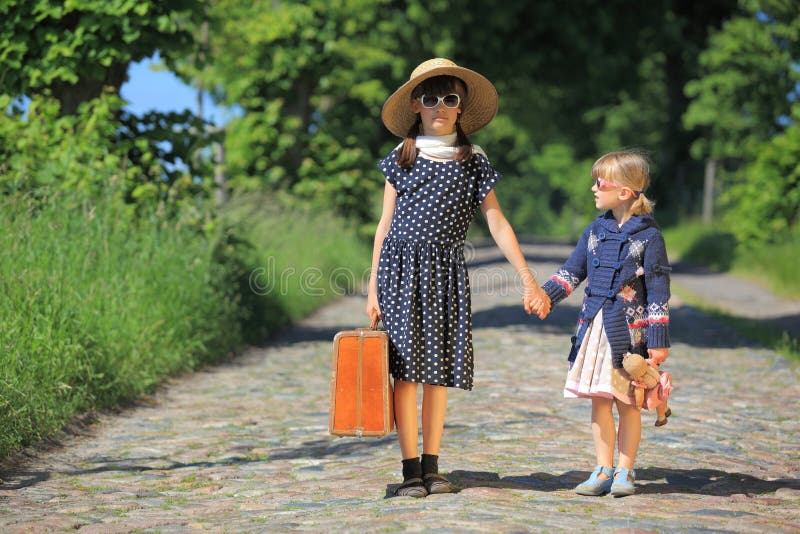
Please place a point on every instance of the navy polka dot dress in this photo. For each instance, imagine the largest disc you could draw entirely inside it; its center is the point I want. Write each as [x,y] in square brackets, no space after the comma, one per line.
[423,284]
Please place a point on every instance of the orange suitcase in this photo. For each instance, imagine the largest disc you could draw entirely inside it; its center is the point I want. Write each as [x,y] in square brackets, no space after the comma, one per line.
[361,393]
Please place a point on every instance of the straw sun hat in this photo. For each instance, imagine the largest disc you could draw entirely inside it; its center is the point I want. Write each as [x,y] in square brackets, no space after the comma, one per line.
[479,106]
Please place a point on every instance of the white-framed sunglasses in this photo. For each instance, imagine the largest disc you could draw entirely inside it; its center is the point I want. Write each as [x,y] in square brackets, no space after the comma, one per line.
[450,101]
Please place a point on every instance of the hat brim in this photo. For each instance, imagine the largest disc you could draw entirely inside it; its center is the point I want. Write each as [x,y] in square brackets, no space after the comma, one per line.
[479,107]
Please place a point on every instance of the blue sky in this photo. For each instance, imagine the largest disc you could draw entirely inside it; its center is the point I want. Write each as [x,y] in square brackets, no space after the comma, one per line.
[151,90]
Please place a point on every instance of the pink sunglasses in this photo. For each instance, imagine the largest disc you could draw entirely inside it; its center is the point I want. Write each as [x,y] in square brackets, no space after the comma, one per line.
[605,185]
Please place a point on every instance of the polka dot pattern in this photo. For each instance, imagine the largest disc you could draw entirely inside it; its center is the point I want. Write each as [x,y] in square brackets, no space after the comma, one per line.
[423,283]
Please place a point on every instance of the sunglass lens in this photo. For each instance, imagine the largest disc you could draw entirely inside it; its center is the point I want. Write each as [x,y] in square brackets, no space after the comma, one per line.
[429,101]
[451,101]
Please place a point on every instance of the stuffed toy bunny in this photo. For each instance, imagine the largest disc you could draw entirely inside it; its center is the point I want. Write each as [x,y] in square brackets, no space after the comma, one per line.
[658,384]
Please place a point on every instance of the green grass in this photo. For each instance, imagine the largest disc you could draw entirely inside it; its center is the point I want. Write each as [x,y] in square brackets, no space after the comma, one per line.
[776,262]
[97,308]
[772,265]
[99,305]
[302,257]
[767,336]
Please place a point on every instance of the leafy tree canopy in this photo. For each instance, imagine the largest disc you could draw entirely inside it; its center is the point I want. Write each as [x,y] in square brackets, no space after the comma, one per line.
[74,48]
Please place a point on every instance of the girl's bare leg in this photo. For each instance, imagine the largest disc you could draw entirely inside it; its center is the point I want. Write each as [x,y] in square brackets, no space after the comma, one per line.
[603,432]
[630,433]
[434,407]
[405,418]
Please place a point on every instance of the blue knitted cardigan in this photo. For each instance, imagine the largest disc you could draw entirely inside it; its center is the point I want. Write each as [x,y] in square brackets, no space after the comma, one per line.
[628,278]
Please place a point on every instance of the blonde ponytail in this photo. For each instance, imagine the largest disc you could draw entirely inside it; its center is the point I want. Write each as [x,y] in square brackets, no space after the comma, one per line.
[642,205]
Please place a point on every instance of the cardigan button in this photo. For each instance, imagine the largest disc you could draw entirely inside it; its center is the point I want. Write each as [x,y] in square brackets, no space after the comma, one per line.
[623,237]
[588,291]
[596,262]
[618,265]
[610,293]
[602,236]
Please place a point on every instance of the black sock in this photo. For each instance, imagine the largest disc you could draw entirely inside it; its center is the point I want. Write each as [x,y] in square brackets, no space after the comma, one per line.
[412,468]
[430,463]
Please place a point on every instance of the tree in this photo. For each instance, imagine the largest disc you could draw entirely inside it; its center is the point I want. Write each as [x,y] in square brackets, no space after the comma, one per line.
[743,96]
[594,76]
[310,78]
[763,202]
[73,49]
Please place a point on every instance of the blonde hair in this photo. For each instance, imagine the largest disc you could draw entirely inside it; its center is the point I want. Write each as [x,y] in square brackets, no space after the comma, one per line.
[629,168]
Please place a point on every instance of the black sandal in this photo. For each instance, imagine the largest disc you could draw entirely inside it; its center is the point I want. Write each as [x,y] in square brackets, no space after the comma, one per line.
[436,483]
[413,487]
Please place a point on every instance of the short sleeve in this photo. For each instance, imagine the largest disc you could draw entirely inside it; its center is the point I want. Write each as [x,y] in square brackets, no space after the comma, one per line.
[389,168]
[487,177]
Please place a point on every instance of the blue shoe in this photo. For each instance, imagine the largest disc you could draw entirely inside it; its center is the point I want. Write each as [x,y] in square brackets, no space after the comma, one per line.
[594,486]
[622,487]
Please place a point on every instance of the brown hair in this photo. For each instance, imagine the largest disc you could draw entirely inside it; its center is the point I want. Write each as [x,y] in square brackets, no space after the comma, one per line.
[630,168]
[436,86]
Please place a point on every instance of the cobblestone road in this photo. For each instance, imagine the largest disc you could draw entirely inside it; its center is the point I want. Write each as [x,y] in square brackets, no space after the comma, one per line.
[243,447]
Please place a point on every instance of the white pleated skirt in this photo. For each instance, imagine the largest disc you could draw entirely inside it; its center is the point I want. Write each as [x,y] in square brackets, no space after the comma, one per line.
[592,374]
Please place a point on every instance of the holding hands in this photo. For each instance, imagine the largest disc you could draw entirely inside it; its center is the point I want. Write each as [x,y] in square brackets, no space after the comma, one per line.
[535,300]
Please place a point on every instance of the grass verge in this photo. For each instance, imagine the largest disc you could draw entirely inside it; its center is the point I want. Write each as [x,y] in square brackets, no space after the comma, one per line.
[100,305]
[98,308]
[298,259]
[772,265]
[768,336]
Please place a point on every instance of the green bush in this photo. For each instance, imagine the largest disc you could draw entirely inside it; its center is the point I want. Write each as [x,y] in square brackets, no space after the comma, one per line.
[98,308]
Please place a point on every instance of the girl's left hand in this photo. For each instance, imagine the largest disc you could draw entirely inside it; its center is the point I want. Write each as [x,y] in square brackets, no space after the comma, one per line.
[657,356]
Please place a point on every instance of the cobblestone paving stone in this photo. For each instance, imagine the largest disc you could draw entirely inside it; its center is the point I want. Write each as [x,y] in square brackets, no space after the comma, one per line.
[243,447]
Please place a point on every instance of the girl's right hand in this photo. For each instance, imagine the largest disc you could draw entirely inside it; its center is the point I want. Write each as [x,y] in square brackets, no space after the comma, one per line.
[536,301]
[373,309]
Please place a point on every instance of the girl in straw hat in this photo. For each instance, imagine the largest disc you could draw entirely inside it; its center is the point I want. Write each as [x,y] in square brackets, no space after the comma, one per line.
[435,182]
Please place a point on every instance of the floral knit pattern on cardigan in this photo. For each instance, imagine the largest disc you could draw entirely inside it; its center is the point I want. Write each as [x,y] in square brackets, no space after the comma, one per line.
[628,278]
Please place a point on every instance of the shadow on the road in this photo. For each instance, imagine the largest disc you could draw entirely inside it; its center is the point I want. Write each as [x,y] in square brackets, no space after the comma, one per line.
[14,480]
[561,319]
[687,325]
[486,479]
[23,479]
[708,482]
[323,448]
[699,481]
[320,448]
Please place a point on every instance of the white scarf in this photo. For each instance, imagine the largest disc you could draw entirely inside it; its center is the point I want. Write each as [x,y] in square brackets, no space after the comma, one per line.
[441,146]
[437,146]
